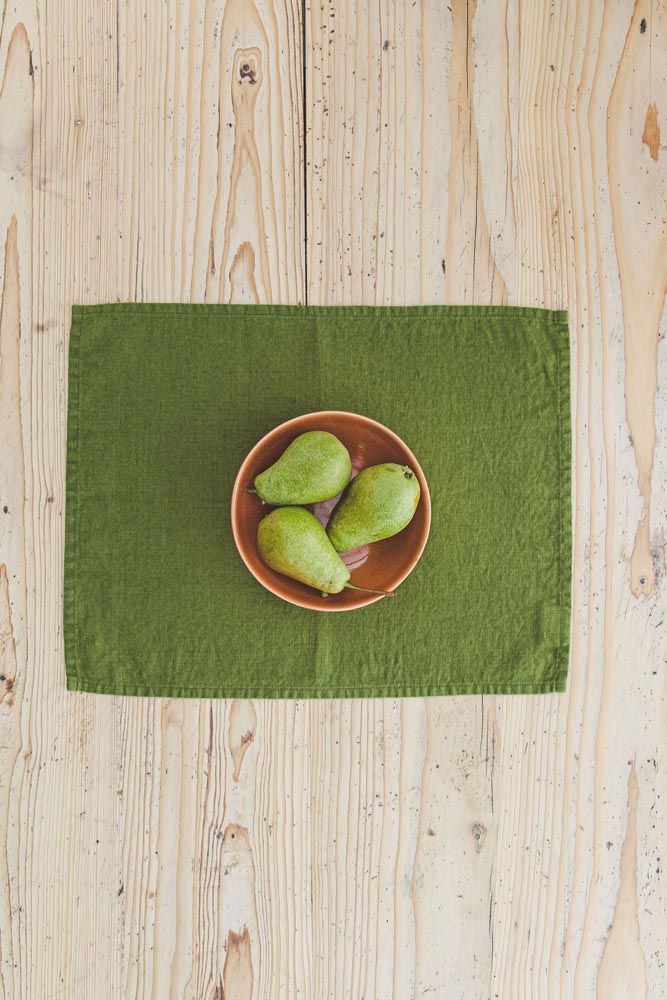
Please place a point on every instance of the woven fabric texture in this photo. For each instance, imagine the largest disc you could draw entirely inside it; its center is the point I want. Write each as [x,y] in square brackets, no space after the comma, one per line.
[165,401]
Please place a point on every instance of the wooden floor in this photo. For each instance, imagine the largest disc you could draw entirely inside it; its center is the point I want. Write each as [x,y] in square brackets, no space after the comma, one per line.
[395,152]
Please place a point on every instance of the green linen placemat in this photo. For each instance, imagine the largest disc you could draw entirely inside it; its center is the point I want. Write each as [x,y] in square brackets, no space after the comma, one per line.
[164,403]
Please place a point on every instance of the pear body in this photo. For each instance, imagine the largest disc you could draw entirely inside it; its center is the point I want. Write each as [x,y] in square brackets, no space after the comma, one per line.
[316,466]
[292,541]
[379,503]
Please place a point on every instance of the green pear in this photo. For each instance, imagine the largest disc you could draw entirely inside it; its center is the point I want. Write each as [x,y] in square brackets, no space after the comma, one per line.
[379,503]
[316,466]
[292,541]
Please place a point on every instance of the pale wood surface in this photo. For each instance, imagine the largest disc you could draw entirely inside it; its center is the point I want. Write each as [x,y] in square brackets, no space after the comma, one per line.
[391,153]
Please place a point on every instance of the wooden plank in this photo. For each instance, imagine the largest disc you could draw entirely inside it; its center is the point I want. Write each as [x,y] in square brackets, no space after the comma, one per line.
[515,162]
[230,170]
[134,168]
[496,847]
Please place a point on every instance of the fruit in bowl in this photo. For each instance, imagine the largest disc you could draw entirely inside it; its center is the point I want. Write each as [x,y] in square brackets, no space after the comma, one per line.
[316,466]
[379,503]
[330,511]
[293,542]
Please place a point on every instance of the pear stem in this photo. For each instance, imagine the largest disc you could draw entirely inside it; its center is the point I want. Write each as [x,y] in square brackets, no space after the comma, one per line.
[367,590]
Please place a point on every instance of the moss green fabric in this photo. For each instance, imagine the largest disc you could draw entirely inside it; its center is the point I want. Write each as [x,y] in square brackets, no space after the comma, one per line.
[165,401]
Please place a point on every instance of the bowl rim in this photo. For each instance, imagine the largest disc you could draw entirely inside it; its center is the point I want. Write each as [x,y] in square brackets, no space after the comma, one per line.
[425,498]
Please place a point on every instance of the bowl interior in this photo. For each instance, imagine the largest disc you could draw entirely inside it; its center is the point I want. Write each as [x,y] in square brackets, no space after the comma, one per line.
[380,566]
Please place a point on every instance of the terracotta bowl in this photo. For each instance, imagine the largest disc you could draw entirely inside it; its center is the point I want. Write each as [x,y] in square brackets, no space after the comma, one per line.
[381,566]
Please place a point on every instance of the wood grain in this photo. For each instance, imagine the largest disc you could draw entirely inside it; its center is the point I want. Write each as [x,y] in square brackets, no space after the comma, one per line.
[388,153]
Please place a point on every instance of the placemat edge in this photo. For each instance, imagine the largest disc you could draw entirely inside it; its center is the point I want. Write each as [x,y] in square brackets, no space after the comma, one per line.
[556,316]
[71,500]
[434,690]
